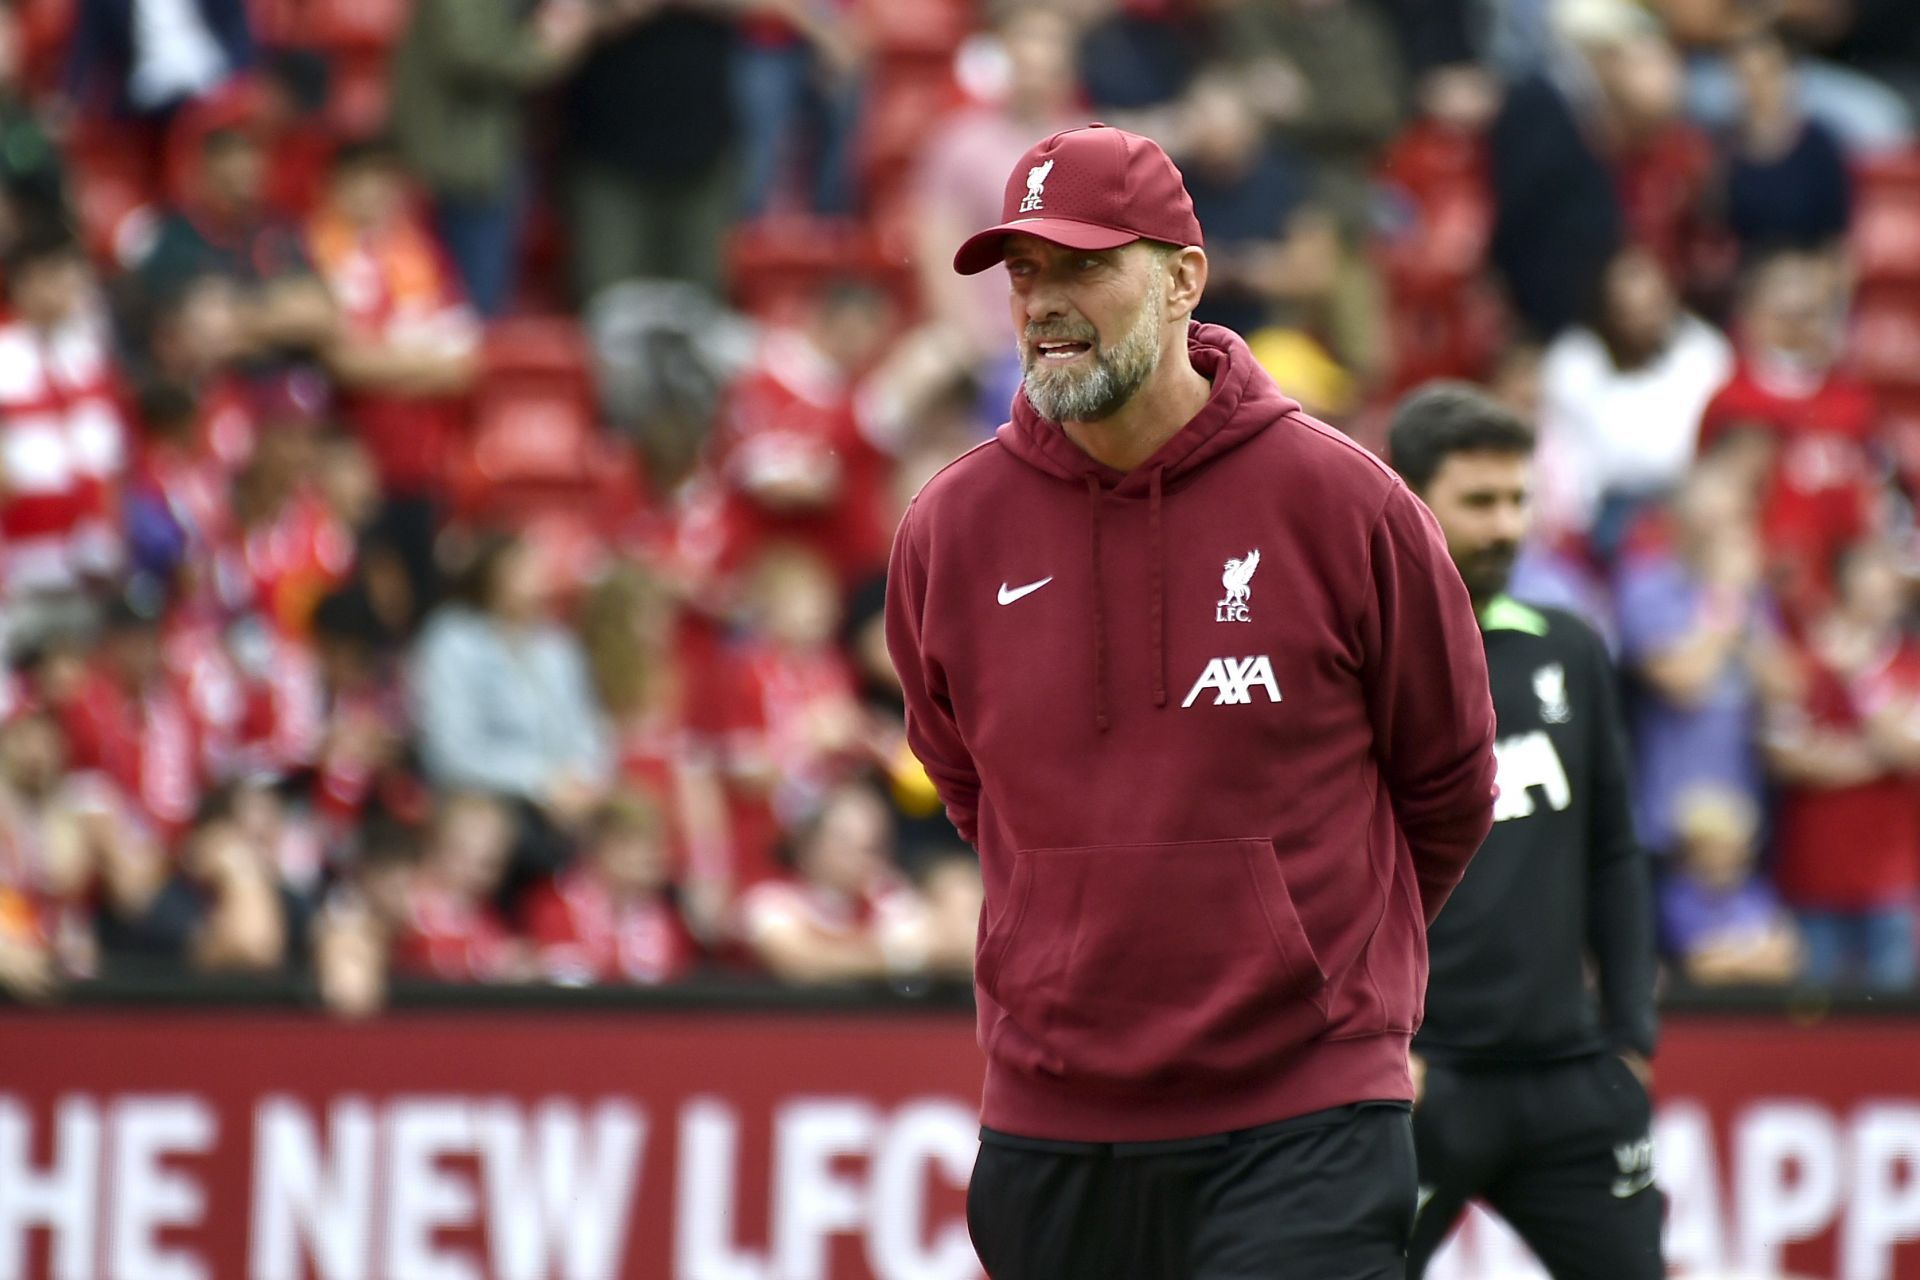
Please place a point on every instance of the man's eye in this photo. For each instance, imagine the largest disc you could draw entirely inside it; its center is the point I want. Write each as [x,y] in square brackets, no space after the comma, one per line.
[1089,264]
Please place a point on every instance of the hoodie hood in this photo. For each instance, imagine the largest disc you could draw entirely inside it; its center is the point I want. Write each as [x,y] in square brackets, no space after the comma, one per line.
[1245,402]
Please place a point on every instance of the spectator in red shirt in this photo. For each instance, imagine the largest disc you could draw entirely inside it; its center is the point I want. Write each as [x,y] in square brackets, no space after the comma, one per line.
[613,916]
[796,726]
[408,346]
[660,688]
[288,548]
[844,913]
[364,710]
[175,510]
[193,340]
[1798,425]
[452,930]
[800,450]
[63,445]
[133,717]
[1847,838]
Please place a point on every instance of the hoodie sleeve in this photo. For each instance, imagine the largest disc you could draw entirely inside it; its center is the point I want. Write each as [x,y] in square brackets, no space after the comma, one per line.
[932,731]
[1425,673]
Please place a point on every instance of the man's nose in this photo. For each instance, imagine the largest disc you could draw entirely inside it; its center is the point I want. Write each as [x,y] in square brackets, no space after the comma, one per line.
[1510,521]
[1044,302]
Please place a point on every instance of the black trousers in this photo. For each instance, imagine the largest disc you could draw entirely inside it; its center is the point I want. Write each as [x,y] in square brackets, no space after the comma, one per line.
[1562,1151]
[1326,1196]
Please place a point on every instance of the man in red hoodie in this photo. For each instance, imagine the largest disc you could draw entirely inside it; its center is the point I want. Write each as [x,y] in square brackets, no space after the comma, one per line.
[1195,675]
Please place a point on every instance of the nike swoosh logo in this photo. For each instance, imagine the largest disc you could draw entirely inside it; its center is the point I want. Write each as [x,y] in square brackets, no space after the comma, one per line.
[1009,595]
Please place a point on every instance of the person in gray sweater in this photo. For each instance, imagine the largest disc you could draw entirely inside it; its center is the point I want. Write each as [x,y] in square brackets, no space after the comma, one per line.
[504,703]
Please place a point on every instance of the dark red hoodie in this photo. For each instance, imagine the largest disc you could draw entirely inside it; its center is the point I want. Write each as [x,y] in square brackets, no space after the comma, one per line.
[1216,798]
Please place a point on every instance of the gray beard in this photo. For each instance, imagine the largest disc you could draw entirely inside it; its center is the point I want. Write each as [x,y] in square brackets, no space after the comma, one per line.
[1099,392]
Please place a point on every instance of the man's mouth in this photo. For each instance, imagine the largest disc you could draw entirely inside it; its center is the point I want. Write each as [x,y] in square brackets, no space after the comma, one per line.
[1061,350]
[1500,560]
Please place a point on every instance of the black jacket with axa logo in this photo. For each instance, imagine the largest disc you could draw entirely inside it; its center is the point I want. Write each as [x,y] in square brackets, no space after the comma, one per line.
[1545,951]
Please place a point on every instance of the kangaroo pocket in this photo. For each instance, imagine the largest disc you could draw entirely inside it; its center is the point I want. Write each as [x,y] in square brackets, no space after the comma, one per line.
[1150,964]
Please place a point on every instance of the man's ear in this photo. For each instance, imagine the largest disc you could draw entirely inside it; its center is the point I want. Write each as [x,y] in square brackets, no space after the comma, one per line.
[1186,281]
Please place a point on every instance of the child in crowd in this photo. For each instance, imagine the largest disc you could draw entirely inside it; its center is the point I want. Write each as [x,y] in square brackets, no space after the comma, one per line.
[796,724]
[613,917]
[452,929]
[844,914]
[364,914]
[1719,915]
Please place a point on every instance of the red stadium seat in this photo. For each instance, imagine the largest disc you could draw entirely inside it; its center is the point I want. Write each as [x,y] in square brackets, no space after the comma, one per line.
[572,546]
[1886,217]
[1886,240]
[921,29]
[362,86]
[1895,171]
[530,435]
[776,263]
[1900,429]
[544,285]
[338,25]
[539,461]
[537,445]
[1886,337]
[277,22]
[112,179]
[44,28]
[894,127]
[550,347]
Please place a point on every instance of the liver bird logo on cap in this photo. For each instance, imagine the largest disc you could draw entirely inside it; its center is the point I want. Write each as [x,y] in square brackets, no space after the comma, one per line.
[1036,186]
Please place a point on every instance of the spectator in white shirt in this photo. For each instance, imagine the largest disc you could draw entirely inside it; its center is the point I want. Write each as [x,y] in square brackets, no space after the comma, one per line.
[1621,399]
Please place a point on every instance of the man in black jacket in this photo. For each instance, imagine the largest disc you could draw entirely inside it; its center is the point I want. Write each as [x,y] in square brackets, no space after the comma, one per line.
[1532,1082]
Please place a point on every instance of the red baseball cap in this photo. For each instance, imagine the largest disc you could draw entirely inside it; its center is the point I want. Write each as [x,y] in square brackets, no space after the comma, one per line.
[1088,188]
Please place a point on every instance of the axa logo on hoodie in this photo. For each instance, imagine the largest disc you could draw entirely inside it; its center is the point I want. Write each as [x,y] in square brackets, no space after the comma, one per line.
[1233,681]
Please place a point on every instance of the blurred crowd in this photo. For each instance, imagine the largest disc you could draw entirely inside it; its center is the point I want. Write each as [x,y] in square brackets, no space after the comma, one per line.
[449,449]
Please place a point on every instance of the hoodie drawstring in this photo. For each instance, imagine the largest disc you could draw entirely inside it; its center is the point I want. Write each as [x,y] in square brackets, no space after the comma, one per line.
[1099,612]
[1158,574]
[1155,552]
